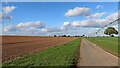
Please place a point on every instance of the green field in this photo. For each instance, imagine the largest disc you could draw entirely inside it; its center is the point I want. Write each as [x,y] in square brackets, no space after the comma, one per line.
[63,55]
[108,43]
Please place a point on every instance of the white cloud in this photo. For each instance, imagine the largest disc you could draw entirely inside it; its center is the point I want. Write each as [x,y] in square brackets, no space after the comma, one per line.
[94,23]
[113,16]
[51,29]
[99,6]
[10,28]
[78,11]
[28,26]
[6,11]
[66,25]
[34,25]
[83,11]
[68,28]
[96,15]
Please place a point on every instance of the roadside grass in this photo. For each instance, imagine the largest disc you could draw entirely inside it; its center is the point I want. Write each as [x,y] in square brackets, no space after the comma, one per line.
[108,43]
[63,55]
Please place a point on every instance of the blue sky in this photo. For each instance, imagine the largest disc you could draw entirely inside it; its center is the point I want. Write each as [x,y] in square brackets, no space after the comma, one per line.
[60,0]
[52,14]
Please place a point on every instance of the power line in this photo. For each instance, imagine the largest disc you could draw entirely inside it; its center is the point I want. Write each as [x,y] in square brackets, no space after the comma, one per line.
[107,25]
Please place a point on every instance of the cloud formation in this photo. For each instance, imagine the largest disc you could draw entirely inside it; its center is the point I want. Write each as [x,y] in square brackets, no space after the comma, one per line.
[6,11]
[69,28]
[51,29]
[66,25]
[99,6]
[25,26]
[33,25]
[96,15]
[78,11]
[82,11]
[93,23]
[113,16]
[10,28]
[75,27]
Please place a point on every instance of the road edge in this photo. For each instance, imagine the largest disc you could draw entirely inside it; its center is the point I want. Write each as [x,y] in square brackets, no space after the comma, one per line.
[104,49]
[79,54]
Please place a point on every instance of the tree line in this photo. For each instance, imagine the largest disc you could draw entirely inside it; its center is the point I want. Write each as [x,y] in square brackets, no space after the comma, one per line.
[68,36]
[111,31]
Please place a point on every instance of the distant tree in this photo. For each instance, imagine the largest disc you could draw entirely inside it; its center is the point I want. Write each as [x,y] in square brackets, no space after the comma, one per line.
[55,35]
[110,31]
[76,36]
[103,36]
[83,35]
[64,36]
[69,36]
[112,35]
[59,36]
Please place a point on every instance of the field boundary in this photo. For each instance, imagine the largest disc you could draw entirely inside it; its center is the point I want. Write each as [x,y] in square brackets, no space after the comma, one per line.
[16,47]
[65,55]
[104,49]
[79,55]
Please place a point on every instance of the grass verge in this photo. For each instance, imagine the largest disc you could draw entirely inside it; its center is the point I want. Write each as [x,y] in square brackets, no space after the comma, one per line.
[108,43]
[63,55]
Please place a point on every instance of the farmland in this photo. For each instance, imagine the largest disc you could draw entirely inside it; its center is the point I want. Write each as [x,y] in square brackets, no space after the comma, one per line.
[29,51]
[94,55]
[108,43]
[18,46]
[62,55]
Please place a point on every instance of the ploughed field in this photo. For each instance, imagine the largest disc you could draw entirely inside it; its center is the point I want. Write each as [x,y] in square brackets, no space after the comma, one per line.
[18,46]
[62,55]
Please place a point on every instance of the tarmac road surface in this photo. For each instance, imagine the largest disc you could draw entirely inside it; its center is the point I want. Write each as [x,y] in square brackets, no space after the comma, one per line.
[92,55]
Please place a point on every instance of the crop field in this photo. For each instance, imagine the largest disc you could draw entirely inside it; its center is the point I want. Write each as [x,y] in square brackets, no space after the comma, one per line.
[62,55]
[18,46]
[108,43]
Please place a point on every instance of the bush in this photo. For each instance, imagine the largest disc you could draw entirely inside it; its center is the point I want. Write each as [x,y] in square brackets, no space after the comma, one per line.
[112,35]
[55,36]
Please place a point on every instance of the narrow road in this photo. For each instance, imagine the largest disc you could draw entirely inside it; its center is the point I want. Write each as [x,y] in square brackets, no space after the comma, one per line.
[92,55]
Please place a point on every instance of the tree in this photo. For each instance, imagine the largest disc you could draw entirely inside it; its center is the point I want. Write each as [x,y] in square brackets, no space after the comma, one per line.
[63,35]
[110,31]
[82,35]
[55,35]
[68,35]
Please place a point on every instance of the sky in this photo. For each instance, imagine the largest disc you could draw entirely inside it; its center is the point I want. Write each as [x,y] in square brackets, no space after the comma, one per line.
[60,0]
[57,18]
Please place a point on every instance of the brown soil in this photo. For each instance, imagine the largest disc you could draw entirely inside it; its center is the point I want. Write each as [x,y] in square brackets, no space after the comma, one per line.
[18,46]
